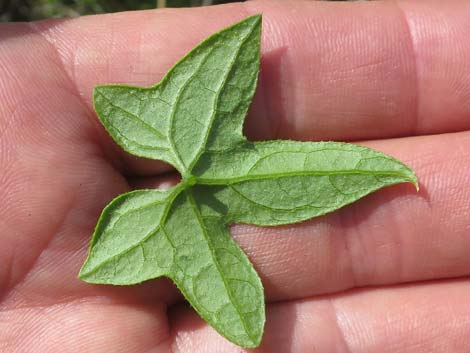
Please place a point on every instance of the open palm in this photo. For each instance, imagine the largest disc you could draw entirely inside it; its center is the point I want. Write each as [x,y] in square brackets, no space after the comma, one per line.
[387,274]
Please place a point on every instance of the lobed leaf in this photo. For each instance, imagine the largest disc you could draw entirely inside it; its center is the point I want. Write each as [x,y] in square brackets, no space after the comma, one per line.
[193,120]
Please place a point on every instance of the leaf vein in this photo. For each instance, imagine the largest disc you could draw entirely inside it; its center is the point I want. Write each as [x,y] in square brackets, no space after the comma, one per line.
[175,105]
[216,101]
[216,263]
[133,116]
[135,142]
[236,180]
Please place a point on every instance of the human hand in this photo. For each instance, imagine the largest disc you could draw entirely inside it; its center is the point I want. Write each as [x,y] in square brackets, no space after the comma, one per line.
[387,274]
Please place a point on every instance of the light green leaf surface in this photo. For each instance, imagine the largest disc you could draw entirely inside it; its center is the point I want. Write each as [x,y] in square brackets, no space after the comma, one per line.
[281,182]
[202,101]
[193,119]
[214,274]
[148,233]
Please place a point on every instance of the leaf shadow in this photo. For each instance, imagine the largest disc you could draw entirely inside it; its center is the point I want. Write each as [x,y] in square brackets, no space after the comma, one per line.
[360,212]
[206,198]
[278,334]
[266,114]
[279,330]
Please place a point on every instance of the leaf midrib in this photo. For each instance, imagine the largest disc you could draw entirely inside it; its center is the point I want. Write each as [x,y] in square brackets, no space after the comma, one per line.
[236,180]
[174,107]
[198,214]
[202,149]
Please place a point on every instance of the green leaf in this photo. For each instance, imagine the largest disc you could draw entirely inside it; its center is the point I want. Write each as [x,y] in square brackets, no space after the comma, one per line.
[193,119]
[214,274]
[202,100]
[281,182]
[140,236]
[129,244]
[137,119]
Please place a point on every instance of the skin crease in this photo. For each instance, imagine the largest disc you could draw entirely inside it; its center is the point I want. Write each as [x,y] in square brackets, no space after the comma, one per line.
[386,274]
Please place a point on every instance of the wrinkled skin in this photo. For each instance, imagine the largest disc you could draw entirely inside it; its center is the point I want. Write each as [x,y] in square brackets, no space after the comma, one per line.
[387,274]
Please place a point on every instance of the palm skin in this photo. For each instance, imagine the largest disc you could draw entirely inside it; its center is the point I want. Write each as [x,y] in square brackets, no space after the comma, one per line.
[387,274]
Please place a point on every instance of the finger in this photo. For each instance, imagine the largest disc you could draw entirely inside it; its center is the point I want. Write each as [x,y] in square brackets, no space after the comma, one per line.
[54,178]
[329,71]
[51,171]
[452,212]
[429,318]
[85,325]
[392,236]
